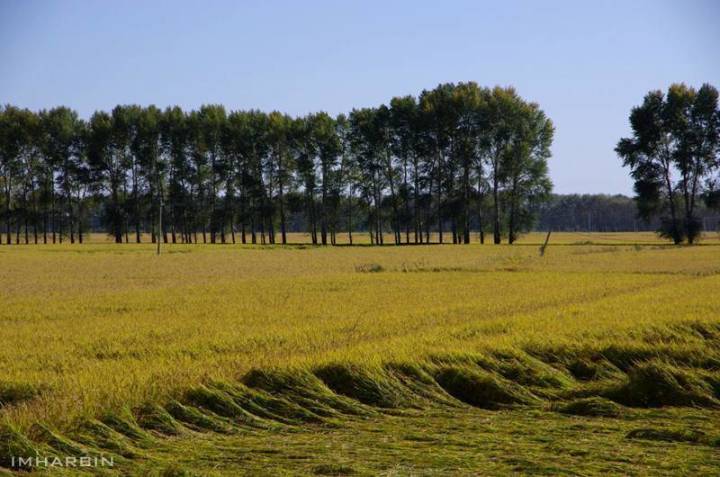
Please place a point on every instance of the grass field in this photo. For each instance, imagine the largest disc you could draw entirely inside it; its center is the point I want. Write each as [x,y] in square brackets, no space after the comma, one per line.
[602,356]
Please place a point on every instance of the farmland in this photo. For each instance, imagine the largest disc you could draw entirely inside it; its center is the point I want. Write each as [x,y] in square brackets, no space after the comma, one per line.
[601,356]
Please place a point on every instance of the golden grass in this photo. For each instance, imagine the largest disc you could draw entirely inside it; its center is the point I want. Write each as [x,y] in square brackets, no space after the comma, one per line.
[101,326]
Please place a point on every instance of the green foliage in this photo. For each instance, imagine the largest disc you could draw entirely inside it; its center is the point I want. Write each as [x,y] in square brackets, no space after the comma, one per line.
[417,165]
[674,149]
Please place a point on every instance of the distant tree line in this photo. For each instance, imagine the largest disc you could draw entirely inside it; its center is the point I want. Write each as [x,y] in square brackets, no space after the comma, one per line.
[674,158]
[455,157]
[606,213]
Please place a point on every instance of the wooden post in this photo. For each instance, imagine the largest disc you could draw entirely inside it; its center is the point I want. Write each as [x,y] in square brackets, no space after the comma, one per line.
[544,245]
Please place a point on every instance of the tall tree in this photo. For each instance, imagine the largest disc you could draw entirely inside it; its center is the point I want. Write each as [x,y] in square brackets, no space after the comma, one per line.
[279,163]
[673,148]
[326,147]
[62,130]
[405,145]
[107,163]
[525,167]
[212,120]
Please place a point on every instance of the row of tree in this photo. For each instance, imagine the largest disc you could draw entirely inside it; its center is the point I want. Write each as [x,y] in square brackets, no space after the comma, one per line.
[454,156]
[674,157]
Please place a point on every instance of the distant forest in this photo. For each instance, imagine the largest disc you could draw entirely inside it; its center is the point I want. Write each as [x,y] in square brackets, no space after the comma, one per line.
[605,213]
[561,213]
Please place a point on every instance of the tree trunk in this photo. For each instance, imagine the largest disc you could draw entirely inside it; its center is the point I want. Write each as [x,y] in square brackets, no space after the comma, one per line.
[416,209]
[496,210]
[673,213]
[281,199]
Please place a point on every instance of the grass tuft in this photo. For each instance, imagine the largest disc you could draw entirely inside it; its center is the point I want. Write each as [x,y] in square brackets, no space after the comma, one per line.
[156,418]
[60,443]
[264,405]
[14,444]
[221,403]
[369,386]
[656,384]
[369,268]
[481,389]
[94,433]
[667,435]
[12,393]
[333,469]
[198,420]
[303,388]
[124,423]
[591,407]
[589,369]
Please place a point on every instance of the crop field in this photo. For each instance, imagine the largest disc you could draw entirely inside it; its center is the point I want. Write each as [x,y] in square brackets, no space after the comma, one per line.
[600,357]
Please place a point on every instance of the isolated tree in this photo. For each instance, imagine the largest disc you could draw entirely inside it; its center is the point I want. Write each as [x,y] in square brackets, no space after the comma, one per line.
[673,148]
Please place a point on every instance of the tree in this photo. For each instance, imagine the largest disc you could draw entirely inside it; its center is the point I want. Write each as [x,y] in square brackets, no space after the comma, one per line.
[211,121]
[467,104]
[305,150]
[18,136]
[673,148]
[525,167]
[326,148]
[369,146]
[107,166]
[174,136]
[62,130]
[439,121]
[279,162]
[152,166]
[404,113]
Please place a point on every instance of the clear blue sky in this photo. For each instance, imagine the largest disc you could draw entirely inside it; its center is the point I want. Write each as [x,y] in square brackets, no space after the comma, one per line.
[586,63]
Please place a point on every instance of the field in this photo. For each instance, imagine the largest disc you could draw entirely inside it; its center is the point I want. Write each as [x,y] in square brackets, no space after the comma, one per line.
[602,356]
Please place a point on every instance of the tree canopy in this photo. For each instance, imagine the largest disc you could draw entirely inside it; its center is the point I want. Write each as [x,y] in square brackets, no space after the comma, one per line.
[674,150]
[455,157]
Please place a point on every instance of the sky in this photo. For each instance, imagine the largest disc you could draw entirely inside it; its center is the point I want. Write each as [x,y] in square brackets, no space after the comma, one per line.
[585,63]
